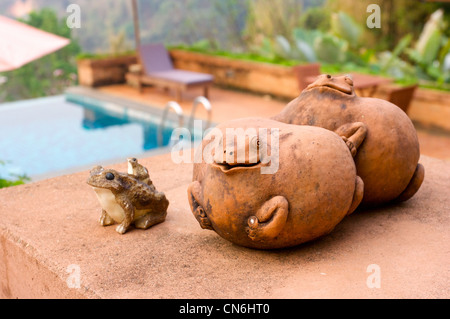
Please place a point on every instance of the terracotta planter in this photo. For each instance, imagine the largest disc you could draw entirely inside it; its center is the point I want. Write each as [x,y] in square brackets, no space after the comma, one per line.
[428,107]
[97,72]
[258,77]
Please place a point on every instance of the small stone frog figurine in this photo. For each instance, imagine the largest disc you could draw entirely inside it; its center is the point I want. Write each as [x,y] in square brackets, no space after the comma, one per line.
[128,198]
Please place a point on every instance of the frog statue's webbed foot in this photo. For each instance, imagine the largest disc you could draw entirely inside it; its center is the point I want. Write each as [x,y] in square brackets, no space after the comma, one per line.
[414,184]
[105,219]
[194,196]
[353,135]
[269,220]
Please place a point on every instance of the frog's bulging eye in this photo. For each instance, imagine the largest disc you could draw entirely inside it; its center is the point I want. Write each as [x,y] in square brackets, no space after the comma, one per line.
[109,176]
[254,142]
[348,79]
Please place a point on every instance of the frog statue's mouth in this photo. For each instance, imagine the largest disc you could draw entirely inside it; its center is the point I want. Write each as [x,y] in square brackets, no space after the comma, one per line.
[228,167]
[340,84]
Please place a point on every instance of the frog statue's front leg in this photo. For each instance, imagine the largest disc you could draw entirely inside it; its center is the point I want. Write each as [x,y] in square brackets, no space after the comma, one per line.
[269,220]
[128,210]
[353,135]
[195,200]
[105,219]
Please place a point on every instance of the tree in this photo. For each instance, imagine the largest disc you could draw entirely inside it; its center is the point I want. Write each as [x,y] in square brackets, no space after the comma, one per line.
[398,18]
[270,18]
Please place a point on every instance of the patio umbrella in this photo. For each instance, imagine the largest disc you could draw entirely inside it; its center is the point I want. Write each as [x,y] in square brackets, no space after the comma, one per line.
[21,44]
[135,10]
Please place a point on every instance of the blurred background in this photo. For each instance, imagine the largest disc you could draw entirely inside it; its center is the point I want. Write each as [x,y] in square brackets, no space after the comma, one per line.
[332,32]
[48,127]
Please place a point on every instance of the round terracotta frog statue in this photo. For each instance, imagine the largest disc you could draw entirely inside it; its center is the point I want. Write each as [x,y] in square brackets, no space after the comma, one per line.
[388,147]
[265,184]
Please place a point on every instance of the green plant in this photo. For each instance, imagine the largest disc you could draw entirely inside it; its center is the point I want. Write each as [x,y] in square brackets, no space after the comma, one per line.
[316,18]
[7,183]
[249,56]
[304,40]
[431,49]
[316,46]
[330,49]
[342,49]
[340,44]
[344,27]
[425,61]
[118,43]
[19,179]
[392,64]
[299,50]
[203,45]
[99,56]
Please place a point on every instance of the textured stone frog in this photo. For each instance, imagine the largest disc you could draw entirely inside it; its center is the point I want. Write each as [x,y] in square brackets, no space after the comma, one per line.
[127,200]
[380,135]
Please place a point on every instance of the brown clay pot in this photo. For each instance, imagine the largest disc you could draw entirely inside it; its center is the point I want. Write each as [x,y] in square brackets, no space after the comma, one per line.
[313,188]
[383,135]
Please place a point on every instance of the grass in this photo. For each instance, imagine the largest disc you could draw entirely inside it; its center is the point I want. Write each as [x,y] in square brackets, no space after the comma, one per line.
[8,183]
[100,56]
[239,56]
[20,179]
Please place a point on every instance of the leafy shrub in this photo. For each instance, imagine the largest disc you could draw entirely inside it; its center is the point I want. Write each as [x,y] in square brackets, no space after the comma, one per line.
[19,179]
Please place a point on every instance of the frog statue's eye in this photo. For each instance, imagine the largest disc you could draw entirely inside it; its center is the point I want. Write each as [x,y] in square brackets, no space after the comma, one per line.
[348,79]
[254,142]
[109,176]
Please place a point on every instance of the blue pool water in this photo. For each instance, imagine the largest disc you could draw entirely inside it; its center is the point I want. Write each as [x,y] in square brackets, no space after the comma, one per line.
[52,134]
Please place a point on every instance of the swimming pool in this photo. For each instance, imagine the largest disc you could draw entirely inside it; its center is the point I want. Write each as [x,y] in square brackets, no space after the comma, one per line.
[53,134]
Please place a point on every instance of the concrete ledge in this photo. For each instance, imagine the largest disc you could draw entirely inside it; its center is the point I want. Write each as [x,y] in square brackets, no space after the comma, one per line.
[49,225]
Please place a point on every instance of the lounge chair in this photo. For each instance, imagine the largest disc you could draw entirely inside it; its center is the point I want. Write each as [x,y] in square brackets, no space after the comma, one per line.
[157,69]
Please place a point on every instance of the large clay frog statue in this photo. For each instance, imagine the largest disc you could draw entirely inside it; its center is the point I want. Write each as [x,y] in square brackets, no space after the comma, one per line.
[128,199]
[388,147]
[311,186]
